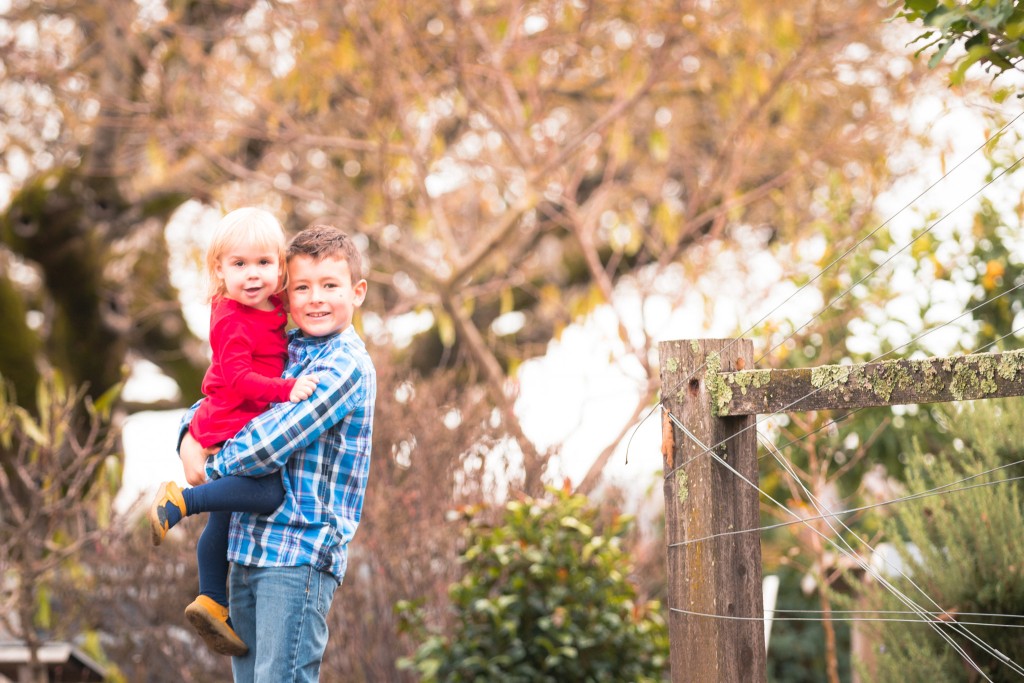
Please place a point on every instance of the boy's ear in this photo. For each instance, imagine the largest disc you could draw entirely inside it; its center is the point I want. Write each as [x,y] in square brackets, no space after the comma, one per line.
[360,291]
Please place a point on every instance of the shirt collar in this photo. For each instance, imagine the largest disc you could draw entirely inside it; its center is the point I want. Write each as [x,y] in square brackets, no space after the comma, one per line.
[298,336]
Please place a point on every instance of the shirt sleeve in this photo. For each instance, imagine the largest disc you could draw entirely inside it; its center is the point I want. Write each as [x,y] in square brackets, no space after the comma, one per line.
[268,440]
[186,420]
[235,353]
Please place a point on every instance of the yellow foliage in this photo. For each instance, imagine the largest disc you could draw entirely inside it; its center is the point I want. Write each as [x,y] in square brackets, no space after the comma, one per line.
[992,278]
[620,143]
[156,160]
[550,296]
[507,301]
[667,223]
[345,56]
[924,246]
[586,304]
[445,328]
[44,613]
[658,144]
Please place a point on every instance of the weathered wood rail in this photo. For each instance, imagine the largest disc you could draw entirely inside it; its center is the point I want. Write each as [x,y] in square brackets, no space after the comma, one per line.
[895,382]
[708,389]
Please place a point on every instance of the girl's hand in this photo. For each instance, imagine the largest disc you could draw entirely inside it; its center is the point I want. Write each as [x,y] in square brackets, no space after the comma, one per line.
[303,388]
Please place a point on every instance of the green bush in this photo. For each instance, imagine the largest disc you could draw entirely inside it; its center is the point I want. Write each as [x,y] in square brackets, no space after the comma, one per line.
[544,597]
[964,549]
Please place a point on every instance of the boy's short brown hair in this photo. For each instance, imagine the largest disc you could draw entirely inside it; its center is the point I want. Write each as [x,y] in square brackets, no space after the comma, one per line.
[320,241]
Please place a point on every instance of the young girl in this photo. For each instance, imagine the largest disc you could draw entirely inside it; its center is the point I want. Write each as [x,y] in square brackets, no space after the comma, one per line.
[245,264]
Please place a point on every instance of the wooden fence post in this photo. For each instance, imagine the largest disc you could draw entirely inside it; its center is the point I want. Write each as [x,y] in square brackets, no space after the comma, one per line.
[721,576]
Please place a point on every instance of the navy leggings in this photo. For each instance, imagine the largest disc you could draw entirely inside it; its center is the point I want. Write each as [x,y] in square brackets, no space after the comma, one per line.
[221,497]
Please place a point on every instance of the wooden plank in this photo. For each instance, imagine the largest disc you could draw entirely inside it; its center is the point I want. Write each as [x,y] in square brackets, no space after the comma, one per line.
[721,576]
[840,387]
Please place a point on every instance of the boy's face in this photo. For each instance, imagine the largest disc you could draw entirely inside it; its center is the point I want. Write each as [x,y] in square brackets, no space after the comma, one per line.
[321,295]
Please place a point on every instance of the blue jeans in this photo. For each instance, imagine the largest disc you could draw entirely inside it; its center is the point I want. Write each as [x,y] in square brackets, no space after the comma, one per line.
[221,497]
[281,614]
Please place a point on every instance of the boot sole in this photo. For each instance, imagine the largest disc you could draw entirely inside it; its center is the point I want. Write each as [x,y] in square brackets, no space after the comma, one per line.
[156,531]
[215,633]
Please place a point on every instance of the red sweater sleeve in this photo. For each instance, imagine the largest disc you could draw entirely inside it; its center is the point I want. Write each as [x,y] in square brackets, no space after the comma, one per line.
[236,360]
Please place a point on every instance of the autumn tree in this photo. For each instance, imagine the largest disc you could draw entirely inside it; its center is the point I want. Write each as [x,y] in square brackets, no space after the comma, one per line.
[500,160]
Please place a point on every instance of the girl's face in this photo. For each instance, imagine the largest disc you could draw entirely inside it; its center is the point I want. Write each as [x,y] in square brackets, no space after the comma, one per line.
[250,275]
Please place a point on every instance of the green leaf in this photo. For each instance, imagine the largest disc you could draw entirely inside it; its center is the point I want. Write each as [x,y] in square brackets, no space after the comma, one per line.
[105,403]
[29,427]
[445,328]
[44,614]
[920,5]
[573,523]
[658,145]
[939,54]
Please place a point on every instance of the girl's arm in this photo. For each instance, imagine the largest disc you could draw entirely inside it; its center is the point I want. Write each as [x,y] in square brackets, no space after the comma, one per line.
[235,352]
[270,438]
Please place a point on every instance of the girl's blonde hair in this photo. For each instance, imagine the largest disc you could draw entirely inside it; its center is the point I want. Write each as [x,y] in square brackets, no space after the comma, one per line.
[247,226]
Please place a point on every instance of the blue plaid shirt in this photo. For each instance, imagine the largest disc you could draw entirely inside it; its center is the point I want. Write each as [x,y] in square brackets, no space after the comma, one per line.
[322,447]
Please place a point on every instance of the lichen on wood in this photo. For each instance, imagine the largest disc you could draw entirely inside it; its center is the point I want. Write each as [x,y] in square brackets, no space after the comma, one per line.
[754,378]
[718,388]
[931,379]
[828,376]
[682,482]
[1010,365]
[902,381]
[974,377]
[890,376]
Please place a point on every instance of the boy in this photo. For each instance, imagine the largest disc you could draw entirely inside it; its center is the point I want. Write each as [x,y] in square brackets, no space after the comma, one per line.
[287,565]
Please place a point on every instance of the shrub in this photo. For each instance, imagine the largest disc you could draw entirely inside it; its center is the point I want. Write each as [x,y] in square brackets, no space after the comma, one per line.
[964,549]
[544,597]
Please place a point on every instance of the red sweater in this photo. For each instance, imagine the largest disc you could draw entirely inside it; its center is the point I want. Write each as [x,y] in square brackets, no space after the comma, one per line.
[249,354]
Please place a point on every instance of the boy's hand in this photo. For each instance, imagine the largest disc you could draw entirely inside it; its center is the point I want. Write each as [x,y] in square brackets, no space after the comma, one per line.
[193,459]
[303,388]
